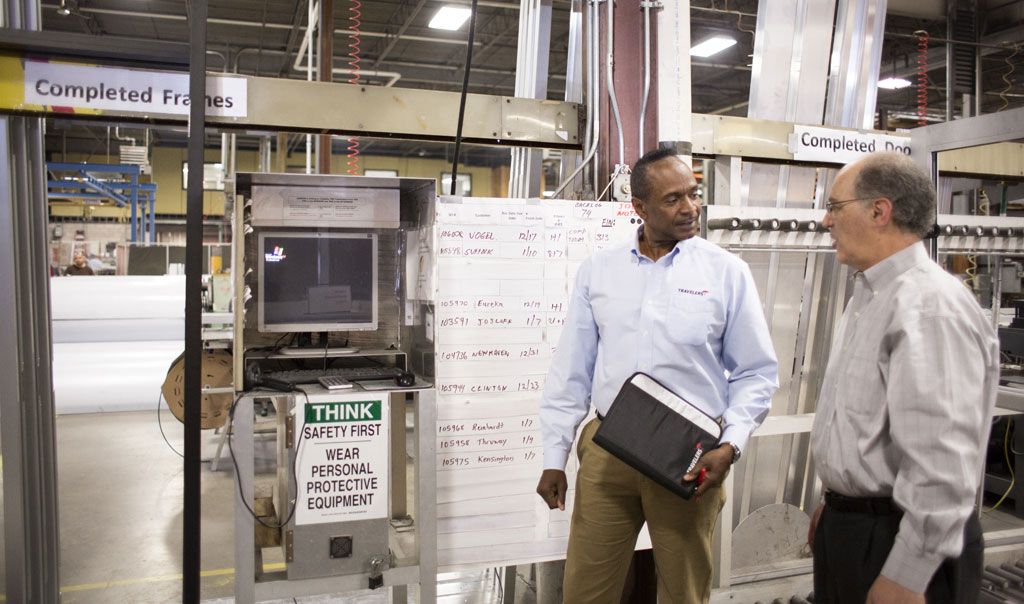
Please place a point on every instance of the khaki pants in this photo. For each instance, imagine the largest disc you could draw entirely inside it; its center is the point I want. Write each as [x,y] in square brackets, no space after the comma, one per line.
[612,502]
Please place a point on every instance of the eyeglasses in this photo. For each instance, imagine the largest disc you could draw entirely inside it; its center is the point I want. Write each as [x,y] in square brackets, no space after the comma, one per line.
[832,206]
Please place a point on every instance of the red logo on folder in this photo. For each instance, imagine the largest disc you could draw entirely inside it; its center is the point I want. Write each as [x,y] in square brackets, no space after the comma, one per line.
[696,457]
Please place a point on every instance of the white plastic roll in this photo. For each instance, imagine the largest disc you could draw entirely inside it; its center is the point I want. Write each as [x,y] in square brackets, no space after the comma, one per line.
[117,297]
[111,376]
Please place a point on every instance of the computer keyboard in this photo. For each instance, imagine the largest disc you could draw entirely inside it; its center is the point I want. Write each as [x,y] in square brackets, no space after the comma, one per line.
[353,374]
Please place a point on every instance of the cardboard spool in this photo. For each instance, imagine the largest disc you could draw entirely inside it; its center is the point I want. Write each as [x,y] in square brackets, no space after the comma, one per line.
[216,373]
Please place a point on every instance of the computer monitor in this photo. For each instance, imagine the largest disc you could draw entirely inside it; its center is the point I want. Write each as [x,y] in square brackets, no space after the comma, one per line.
[315,282]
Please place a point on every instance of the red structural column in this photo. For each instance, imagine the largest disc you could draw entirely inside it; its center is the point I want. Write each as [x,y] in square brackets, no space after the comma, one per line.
[326,73]
[628,78]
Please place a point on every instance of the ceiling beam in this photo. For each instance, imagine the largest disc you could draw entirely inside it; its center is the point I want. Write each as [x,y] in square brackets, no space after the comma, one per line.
[293,35]
[398,36]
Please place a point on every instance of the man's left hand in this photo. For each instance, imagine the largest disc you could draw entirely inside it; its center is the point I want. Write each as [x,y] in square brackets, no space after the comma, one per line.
[887,591]
[716,463]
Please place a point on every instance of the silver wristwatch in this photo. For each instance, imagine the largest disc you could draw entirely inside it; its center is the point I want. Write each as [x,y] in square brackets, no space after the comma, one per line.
[735,452]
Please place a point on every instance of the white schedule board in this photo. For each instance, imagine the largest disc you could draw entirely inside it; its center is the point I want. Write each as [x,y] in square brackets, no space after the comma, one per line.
[342,464]
[504,272]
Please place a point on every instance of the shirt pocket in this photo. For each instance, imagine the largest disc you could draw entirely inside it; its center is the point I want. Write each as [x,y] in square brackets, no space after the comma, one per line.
[689,319]
[861,390]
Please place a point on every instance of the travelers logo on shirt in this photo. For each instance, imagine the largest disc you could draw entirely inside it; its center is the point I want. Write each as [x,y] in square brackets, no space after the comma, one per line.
[693,292]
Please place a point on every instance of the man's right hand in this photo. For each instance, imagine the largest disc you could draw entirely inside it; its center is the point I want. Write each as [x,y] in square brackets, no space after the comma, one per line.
[814,526]
[552,488]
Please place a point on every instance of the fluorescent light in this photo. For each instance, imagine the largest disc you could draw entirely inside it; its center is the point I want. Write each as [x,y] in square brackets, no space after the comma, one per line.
[450,18]
[893,83]
[711,46]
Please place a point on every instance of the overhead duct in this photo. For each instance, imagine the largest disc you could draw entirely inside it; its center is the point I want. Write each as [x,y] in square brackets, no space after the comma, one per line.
[963,27]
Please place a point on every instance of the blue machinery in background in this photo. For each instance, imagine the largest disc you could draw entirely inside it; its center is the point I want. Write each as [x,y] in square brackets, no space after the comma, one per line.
[125,190]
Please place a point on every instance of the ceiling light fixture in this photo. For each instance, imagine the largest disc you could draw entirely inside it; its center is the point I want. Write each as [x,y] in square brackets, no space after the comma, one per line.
[63,10]
[893,83]
[450,18]
[711,46]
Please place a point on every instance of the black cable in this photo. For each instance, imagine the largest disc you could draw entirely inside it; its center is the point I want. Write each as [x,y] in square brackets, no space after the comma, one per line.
[278,342]
[462,101]
[238,478]
[191,516]
[327,345]
[160,422]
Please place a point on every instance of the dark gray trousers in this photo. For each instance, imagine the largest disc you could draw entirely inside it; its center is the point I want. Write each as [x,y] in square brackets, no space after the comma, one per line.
[850,549]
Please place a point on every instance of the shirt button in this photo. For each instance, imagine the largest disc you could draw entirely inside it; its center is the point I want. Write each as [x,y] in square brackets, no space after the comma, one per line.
[645,333]
[856,313]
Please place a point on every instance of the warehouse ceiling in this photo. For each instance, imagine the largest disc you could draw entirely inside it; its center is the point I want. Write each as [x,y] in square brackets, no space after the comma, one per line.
[395,45]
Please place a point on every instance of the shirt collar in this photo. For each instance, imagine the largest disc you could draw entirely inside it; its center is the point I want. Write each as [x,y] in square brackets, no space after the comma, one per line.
[886,271]
[636,246]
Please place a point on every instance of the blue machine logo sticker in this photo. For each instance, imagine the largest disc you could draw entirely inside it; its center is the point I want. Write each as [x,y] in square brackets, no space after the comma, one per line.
[276,256]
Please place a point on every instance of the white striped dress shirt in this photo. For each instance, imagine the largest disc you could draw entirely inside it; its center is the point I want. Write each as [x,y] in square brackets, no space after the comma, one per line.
[906,405]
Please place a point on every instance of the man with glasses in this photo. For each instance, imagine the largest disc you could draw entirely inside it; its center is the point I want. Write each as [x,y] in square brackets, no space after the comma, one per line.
[904,410]
[687,313]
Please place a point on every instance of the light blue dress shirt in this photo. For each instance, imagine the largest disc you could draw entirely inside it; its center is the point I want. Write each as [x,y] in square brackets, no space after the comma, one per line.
[692,320]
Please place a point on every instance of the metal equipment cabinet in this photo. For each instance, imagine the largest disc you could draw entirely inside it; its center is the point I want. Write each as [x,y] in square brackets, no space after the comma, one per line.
[408,567]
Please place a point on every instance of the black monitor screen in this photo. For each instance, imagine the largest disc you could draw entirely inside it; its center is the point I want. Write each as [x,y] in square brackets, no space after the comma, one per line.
[318,281]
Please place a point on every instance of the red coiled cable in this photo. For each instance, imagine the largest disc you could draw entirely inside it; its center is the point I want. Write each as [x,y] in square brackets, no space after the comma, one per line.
[353,71]
[922,76]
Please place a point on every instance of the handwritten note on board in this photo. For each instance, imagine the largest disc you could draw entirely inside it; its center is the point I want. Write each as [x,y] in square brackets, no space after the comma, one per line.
[505,269]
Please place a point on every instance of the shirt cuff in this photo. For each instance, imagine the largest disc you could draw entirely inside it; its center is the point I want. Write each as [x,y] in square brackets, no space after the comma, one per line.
[911,569]
[735,435]
[554,459]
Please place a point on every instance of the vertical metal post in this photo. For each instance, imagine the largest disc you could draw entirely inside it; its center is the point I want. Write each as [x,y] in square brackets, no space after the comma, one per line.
[399,496]
[531,83]
[134,218]
[144,231]
[190,555]
[510,583]
[574,85]
[135,203]
[282,151]
[673,68]
[31,535]
[426,492]
[264,154]
[325,73]
[950,12]
[242,447]
[152,216]
[28,431]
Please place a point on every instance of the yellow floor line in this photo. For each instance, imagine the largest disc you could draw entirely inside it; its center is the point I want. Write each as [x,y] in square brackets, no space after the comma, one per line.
[157,579]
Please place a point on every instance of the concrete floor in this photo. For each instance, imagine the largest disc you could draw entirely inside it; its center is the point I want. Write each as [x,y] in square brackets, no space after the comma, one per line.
[120,489]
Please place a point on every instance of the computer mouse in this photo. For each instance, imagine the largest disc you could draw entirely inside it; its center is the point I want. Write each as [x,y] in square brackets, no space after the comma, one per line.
[405,379]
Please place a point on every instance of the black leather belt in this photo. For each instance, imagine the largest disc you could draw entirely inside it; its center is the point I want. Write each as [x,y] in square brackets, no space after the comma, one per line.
[878,506]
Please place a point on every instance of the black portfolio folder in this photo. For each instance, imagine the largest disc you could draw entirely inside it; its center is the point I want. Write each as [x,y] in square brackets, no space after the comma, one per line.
[657,432]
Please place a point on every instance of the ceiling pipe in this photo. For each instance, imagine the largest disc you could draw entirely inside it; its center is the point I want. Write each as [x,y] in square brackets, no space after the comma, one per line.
[399,34]
[236,22]
[1000,41]
[117,135]
[393,76]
